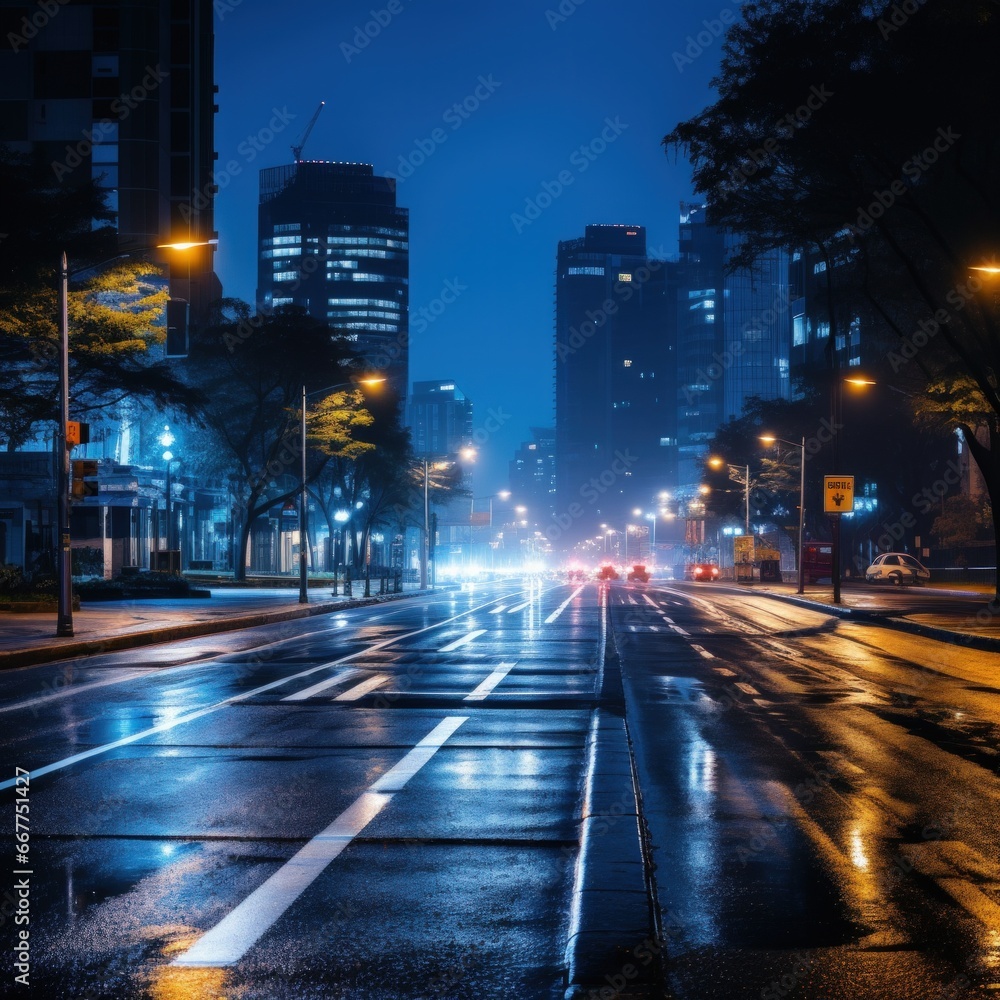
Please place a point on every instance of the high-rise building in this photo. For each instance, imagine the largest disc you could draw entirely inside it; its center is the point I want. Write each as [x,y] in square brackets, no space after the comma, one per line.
[440,418]
[334,242]
[733,335]
[124,93]
[615,388]
[533,474]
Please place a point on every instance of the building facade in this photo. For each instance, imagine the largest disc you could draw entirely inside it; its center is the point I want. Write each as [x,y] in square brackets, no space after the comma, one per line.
[122,93]
[733,336]
[334,242]
[616,436]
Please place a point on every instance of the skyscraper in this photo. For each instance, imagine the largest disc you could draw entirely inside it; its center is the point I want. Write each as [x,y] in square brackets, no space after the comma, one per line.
[334,242]
[123,93]
[733,335]
[615,389]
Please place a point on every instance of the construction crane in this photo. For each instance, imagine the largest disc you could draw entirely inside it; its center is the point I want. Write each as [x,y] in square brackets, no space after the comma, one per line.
[300,145]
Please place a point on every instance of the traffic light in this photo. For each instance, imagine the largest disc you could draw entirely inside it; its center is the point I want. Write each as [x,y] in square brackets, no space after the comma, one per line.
[84,478]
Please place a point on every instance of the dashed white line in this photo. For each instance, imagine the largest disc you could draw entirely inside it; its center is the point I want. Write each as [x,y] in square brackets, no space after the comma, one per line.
[704,652]
[518,607]
[322,686]
[565,604]
[649,600]
[230,939]
[360,690]
[498,609]
[491,682]
[462,640]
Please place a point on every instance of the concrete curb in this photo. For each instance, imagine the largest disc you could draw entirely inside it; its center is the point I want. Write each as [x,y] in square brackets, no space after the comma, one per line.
[613,940]
[887,619]
[34,655]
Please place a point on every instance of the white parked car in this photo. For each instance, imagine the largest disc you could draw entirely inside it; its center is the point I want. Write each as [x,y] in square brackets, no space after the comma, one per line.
[897,568]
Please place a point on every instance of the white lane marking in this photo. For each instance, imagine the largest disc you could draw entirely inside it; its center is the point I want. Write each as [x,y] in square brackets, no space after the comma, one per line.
[360,690]
[632,600]
[491,682]
[565,604]
[468,637]
[330,682]
[519,607]
[679,630]
[498,609]
[230,939]
[669,621]
[747,688]
[649,600]
[704,652]
[198,713]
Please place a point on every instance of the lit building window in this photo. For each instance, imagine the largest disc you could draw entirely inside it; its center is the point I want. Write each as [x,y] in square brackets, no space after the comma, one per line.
[627,363]
[285,275]
[624,276]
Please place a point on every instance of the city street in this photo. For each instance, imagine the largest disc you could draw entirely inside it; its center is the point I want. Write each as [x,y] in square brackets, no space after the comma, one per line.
[405,800]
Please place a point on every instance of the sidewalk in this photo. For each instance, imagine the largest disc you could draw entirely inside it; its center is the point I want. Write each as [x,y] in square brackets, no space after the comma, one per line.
[968,616]
[968,619]
[106,626]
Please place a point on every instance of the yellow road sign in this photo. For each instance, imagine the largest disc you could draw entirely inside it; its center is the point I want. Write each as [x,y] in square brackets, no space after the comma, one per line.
[838,494]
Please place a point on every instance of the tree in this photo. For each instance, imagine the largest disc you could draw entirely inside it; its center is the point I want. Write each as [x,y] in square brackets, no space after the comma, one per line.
[250,370]
[868,135]
[114,317]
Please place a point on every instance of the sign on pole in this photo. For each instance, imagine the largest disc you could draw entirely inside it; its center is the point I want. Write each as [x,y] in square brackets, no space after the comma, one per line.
[838,494]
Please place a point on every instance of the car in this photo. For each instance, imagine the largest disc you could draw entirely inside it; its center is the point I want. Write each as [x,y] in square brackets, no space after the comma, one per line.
[638,574]
[607,572]
[701,572]
[897,568]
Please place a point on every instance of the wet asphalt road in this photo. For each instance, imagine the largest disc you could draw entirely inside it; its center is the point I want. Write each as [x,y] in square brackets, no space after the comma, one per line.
[385,802]
[822,799]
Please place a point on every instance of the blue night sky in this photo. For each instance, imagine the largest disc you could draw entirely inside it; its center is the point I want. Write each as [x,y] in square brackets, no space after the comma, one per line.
[547,87]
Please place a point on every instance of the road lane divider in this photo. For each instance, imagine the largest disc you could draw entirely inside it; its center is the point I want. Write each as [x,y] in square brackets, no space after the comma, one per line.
[233,699]
[230,939]
[565,604]
[462,640]
[518,607]
[360,690]
[491,682]
[311,692]
[498,609]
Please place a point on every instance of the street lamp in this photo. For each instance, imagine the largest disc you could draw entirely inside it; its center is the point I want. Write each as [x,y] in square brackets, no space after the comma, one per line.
[166,440]
[64,612]
[771,439]
[468,453]
[735,475]
[303,506]
[838,423]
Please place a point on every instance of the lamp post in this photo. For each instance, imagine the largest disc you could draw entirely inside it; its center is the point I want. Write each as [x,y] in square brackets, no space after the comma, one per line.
[468,453]
[166,440]
[735,474]
[770,439]
[303,506]
[64,610]
[838,424]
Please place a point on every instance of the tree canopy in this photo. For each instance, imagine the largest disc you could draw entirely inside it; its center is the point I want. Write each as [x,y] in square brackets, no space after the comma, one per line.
[866,135]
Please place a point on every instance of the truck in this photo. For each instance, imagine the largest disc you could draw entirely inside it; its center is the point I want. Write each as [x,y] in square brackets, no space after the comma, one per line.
[750,551]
